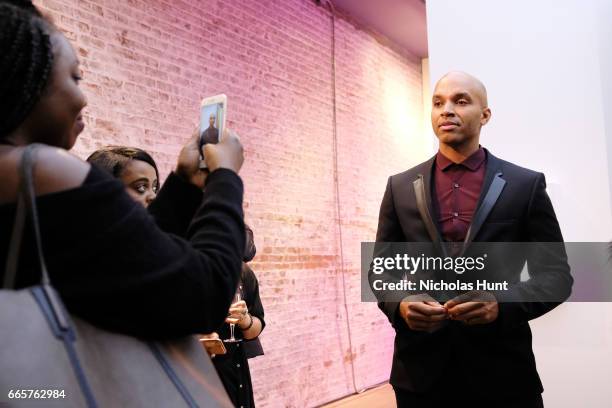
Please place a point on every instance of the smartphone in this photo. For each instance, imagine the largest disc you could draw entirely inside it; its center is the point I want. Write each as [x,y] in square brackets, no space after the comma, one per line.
[212,121]
[213,346]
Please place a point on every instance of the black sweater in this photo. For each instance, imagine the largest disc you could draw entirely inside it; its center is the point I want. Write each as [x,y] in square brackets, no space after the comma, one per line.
[116,268]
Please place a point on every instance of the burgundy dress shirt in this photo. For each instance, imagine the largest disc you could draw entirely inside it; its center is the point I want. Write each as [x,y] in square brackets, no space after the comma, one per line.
[457,190]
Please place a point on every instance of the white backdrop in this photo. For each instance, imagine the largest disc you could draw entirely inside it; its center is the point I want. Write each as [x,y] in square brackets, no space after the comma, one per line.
[547,66]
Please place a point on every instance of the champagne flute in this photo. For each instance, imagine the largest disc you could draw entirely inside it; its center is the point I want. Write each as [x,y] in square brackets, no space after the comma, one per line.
[232,320]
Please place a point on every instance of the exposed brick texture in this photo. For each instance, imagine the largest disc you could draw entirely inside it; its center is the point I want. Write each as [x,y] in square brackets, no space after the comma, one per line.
[147,64]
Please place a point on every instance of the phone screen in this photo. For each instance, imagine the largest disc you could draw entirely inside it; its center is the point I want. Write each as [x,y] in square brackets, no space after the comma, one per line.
[211,123]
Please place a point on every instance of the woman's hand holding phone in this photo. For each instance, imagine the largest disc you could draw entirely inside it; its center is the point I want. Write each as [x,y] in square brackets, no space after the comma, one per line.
[188,166]
[227,154]
[212,344]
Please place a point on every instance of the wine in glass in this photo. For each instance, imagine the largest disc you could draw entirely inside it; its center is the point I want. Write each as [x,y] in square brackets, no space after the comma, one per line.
[233,320]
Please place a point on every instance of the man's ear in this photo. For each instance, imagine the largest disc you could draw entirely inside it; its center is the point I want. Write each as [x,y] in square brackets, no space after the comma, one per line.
[485,116]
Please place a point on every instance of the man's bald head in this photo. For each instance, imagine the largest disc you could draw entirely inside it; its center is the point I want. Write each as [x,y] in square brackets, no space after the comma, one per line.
[458,112]
[469,82]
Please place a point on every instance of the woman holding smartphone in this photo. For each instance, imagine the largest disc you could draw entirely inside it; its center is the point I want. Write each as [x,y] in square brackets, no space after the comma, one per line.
[107,258]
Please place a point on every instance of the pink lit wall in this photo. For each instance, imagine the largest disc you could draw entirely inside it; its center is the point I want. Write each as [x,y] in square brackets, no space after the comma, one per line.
[147,64]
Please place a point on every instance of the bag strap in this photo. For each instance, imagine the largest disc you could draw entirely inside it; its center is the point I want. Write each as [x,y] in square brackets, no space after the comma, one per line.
[26,204]
[28,162]
[172,375]
[10,272]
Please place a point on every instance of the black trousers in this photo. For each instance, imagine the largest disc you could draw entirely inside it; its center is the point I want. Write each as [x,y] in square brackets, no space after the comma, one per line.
[444,399]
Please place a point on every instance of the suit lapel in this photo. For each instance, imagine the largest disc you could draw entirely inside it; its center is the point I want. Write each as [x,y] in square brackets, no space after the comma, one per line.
[492,188]
[422,191]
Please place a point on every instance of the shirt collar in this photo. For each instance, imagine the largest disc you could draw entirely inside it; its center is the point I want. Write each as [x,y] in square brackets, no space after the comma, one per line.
[472,163]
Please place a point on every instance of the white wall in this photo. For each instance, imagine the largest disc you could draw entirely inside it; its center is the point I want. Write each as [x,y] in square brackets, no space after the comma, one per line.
[547,66]
[604,31]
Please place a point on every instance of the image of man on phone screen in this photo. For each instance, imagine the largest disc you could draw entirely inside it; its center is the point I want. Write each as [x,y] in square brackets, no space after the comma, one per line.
[211,134]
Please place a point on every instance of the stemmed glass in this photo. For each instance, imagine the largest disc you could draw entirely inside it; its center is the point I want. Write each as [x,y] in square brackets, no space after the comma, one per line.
[232,320]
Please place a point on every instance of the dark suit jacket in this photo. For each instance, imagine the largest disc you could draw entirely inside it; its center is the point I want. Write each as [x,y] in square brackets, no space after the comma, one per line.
[493,360]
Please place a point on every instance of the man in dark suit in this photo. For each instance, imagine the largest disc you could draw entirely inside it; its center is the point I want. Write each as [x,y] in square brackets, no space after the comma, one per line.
[211,134]
[470,350]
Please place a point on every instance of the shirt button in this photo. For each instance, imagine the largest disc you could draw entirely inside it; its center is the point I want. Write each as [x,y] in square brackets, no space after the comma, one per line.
[456,185]
[455,214]
[238,365]
[240,385]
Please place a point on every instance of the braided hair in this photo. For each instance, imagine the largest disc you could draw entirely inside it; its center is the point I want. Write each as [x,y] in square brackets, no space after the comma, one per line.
[26,61]
[24,5]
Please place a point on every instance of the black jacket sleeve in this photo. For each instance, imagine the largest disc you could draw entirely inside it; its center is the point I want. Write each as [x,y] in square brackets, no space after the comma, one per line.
[550,279]
[122,272]
[175,205]
[253,347]
[251,290]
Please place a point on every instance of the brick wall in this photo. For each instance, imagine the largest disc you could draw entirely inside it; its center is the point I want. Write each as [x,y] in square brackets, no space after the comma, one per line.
[147,64]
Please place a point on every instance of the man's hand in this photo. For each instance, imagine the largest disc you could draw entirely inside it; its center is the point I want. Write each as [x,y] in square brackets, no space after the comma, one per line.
[475,307]
[422,313]
[188,166]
